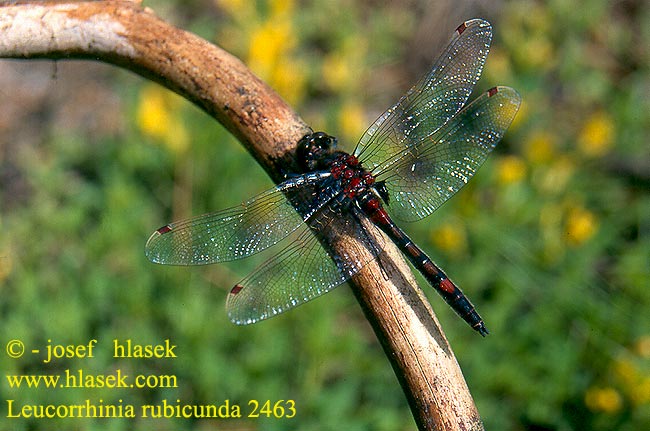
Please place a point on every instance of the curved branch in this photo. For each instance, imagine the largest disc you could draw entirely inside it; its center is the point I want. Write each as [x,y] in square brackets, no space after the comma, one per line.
[124,34]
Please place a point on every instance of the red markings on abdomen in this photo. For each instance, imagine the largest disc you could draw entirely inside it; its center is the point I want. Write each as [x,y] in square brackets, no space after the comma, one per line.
[430,268]
[413,250]
[447,285]
[380,216]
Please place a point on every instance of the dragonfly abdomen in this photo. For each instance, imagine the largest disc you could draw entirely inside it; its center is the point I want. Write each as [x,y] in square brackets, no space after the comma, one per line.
[419,259]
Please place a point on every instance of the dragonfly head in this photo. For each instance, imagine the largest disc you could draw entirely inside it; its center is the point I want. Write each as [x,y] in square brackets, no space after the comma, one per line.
[313,150]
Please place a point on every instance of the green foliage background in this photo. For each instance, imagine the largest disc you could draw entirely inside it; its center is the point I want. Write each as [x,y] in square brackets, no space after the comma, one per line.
[550,239]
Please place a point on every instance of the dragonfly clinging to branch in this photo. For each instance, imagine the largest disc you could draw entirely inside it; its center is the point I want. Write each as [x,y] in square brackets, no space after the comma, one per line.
[413,158]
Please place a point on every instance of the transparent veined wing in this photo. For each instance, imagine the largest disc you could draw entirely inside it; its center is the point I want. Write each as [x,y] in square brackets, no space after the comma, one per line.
[304,269]
[242,230]
[432,101]
[423,176]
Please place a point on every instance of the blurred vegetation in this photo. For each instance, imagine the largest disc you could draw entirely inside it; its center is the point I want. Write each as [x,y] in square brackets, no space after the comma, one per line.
[551,239]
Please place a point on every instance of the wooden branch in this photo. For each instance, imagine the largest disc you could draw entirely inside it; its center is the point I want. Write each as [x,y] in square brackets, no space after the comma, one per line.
[124,34]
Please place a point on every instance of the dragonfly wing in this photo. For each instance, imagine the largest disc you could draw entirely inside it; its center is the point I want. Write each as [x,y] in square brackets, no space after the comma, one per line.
[302,271]
[243,230]
[433,100]
[427,174]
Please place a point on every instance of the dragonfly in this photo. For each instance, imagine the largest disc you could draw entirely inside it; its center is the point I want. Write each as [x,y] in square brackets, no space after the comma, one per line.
[411,160]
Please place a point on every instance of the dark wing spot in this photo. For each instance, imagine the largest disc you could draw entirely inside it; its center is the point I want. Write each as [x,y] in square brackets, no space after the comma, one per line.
[164,229]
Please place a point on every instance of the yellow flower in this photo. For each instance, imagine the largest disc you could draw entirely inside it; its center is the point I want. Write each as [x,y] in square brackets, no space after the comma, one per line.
[633,381]
[282,7]
[158,116]
[580,226]
[232,6]
[510,169]
[550,226]
[625,371]
[344,68]
[537,52]
[268,43]
[606,400]
[558,175]
[498,66]
[270,52]
[450,237]
[352,121]
[337,72]
[153,113]
[640,392]
[6,265]
[540,147]
[529,36]
[289,80]
[643,346]
[597,135]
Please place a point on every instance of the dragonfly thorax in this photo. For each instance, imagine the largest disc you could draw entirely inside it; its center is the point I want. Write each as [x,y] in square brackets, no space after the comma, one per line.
[316,152]
[354,179]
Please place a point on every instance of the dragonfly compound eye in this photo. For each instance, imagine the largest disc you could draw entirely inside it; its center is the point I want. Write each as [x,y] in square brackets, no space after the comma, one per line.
[312,148]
